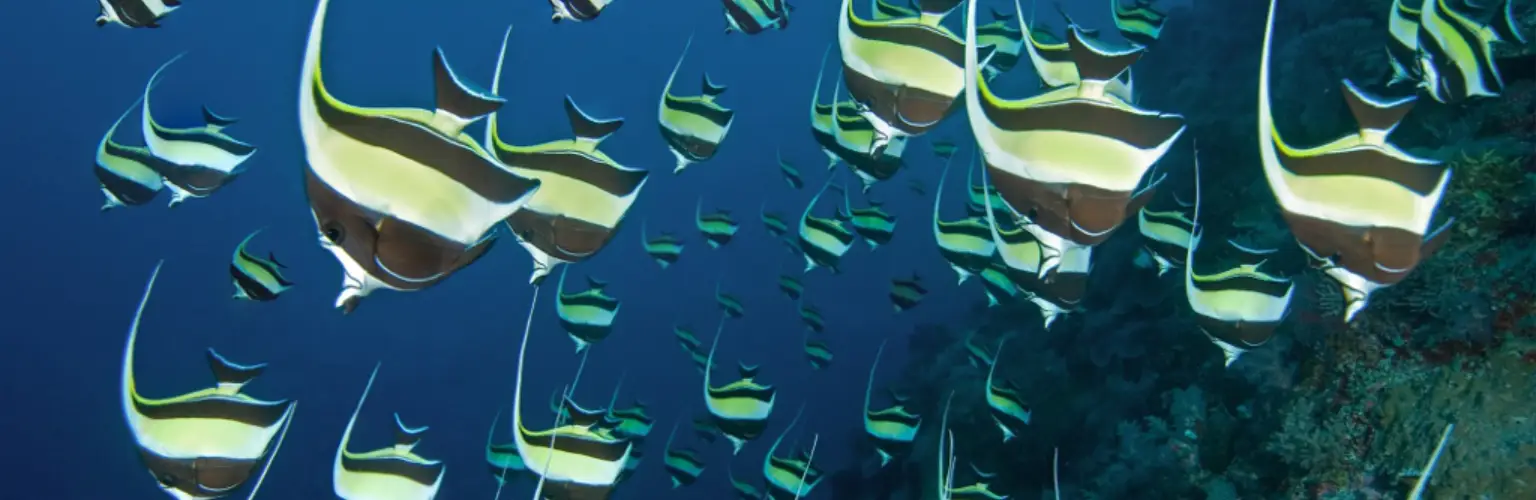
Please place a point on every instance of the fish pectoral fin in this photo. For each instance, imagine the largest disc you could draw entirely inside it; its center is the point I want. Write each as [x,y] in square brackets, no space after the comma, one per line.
[413,254]
[458,103]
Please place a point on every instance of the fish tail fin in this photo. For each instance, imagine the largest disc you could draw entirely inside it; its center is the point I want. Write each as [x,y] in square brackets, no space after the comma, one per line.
[587,127]
[1098,63]
[711,88]
[458,97]
[216,120]
[407,436]
[1373,113]
[1504,26]
[229,372]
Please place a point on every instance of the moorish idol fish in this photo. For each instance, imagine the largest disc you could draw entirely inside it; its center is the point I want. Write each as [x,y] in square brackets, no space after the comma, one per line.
[1237,308]
[906,293]
[872,223]
[1403,42]
[587,316]
[584,462]
[739,409]
[904,73]
[1456,55]
[817,352]
[577,10]
[200,160]
[400,196]
[502,458]
[128,175]
[729,304]
[393,472]
[944,149]
[845,135]
[884,9]
[892,429]
[1053,62]
[718,226]
[1071,160]
[790,478]
[856,140]
[1359,206]
[135,13]
[823,240]
[257,278]
[583,197]
[1166,232]
[1007,43]
[791,286]
[811,316]
[583,194]
[755,16]
[665,248]
[1021,267]
[1008,409]
[965,244]
[1138,22]
[683,464]
[206,443]
[693,126]
[772,221]
[791,174]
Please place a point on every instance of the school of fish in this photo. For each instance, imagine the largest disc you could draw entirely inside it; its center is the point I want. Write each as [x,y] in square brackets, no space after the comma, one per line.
[404,197]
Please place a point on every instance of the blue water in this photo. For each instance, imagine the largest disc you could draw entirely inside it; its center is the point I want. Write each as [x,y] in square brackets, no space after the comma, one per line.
[448,354]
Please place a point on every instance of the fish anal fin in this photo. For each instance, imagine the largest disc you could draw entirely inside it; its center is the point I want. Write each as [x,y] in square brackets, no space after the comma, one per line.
[230,374]
[411,253]
[457,99]
[1098,64]
[588,128]
[1372,113]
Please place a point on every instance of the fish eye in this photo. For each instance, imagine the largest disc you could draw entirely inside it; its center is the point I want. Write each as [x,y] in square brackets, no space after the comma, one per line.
[167,479]
[334,232]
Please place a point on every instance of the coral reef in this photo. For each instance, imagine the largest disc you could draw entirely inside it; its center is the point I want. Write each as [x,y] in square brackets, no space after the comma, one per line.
[1138,401]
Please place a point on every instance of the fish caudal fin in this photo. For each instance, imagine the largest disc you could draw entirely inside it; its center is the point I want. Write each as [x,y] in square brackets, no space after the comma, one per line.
[229,373]
[710,88]
[1097,63]
[217,121]
[1372,113]
[589,128]
[456,99]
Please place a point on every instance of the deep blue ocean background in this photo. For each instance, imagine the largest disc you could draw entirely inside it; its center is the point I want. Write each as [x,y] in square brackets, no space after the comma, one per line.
[448,354]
